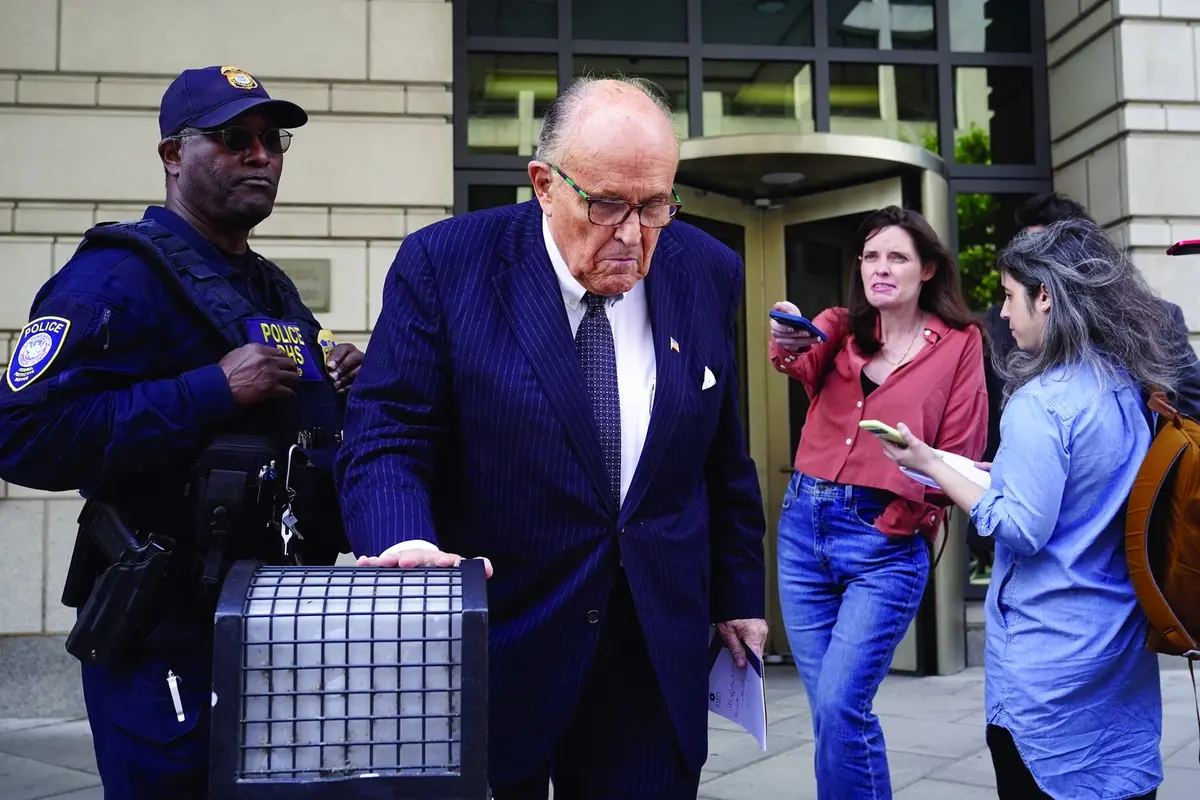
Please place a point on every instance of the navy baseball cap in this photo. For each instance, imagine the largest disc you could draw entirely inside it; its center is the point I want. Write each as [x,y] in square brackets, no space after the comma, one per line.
[209,97]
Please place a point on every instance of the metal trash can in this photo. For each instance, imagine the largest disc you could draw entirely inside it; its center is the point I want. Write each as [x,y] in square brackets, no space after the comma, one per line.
[350,682]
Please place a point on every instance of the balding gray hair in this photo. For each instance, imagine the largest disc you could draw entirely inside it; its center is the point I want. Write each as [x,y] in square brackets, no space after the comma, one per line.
[1102,312]
[556,124]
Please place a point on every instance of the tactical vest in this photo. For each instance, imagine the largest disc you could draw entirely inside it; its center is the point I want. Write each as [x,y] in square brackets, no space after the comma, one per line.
[232,316]
[237,322]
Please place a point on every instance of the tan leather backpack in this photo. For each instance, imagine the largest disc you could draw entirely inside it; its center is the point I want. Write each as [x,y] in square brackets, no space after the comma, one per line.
[1162,535]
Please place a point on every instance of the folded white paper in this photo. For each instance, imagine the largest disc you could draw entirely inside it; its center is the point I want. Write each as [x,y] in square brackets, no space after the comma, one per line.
[963,466]
[738,695]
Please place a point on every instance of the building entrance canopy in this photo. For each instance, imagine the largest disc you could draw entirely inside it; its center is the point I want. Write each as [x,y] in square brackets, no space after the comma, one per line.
[754,166]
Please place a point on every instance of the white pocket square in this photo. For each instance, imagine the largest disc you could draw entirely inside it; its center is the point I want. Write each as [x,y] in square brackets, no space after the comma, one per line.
[710,380]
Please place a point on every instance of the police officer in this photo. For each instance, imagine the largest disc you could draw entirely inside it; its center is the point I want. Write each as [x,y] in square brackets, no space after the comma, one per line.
[157,336]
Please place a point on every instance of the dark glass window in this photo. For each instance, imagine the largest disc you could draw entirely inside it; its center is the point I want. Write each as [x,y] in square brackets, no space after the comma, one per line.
[757,97]
[985,226]
[993,115]
[762,22]
[630,20]
[507,96]
[892,101]
[882,25]
[481,196]
[749,82]
[532,18]
[991,26]
[669,75]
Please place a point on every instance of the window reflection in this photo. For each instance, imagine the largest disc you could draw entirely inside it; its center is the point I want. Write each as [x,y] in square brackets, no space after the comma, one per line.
[630,20]
[985,225]
[668,74]
[883,24]
[533,18]
[894,102]
[989,26]
[757,97]
[507,96]
[993,115]
[763,22]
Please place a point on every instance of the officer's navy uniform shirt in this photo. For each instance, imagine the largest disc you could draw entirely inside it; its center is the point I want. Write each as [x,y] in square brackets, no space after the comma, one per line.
[135,391]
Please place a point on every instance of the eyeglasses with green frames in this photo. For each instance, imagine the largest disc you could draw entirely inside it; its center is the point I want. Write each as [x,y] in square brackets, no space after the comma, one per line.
[610,212]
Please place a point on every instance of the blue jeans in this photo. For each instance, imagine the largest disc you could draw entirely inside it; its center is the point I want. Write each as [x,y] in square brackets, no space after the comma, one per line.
[848,595]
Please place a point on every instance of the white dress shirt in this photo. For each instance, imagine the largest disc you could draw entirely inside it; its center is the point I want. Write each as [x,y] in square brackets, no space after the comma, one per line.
[633,339]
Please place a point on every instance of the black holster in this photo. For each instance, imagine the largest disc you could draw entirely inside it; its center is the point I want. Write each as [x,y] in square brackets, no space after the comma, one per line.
[231,520]
[119,607]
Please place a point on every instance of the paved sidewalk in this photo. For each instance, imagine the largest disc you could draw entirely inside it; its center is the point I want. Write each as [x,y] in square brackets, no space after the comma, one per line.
[934,729]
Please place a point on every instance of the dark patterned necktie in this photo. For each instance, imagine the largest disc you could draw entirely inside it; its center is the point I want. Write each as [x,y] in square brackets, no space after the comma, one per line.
[598,355]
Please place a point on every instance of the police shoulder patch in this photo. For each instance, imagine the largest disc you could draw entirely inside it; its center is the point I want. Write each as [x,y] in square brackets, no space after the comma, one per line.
[325,339]
[39,344]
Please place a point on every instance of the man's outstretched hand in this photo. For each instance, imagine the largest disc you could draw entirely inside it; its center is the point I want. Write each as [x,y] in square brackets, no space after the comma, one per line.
[407,555]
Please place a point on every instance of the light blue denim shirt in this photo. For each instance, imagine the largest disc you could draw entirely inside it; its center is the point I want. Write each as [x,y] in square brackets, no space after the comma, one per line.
[1067,669]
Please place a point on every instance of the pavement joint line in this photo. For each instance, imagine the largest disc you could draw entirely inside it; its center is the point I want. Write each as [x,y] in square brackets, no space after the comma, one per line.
[68,792]
[757,760]
[42,723]
[51,764]
[1191,747]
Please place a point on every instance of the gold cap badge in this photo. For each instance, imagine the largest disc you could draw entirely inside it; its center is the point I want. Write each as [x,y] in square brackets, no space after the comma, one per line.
[239,78]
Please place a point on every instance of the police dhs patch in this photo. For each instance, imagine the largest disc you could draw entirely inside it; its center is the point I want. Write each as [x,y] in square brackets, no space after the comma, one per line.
[39,344]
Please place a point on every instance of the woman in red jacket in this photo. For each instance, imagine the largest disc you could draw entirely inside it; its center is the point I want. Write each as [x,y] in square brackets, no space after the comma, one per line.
[854,532]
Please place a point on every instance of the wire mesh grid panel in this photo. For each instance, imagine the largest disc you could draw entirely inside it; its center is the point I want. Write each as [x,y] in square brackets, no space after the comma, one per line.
[351,672]
[347,673]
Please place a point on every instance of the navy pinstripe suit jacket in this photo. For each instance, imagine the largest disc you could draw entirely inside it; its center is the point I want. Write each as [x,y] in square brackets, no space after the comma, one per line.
[469,425]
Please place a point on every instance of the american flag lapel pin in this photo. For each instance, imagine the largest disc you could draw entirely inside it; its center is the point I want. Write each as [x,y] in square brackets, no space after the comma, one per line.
[674,345]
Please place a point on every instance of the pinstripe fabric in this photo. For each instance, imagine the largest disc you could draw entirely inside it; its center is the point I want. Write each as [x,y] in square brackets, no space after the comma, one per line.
[469,425]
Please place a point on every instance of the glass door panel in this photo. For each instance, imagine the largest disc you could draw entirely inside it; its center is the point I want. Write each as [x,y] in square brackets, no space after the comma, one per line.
[808,246]
[740,227]
[818,235]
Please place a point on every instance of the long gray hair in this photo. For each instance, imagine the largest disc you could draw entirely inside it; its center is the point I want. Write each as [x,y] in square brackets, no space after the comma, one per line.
[1102,312]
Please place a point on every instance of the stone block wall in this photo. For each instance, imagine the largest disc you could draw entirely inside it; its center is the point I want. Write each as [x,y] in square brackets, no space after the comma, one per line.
[1125,123]
[80,84]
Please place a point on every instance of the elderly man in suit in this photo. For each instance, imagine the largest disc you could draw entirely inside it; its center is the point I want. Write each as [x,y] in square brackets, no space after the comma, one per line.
[552,386]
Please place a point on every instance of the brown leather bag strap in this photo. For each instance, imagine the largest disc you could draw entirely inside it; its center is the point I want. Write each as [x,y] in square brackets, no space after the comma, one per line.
[1159,405]
[1156,467]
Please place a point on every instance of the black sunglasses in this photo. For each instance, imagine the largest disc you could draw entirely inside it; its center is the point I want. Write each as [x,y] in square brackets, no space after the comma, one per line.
[239,139]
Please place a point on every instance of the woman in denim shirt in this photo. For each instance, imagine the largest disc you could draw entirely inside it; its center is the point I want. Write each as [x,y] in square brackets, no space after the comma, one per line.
[1073,702]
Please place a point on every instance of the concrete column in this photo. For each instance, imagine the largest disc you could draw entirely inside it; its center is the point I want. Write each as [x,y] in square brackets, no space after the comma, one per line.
[1125,124]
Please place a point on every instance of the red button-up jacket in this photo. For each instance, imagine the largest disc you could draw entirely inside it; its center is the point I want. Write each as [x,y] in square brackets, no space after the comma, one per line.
[940,395]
